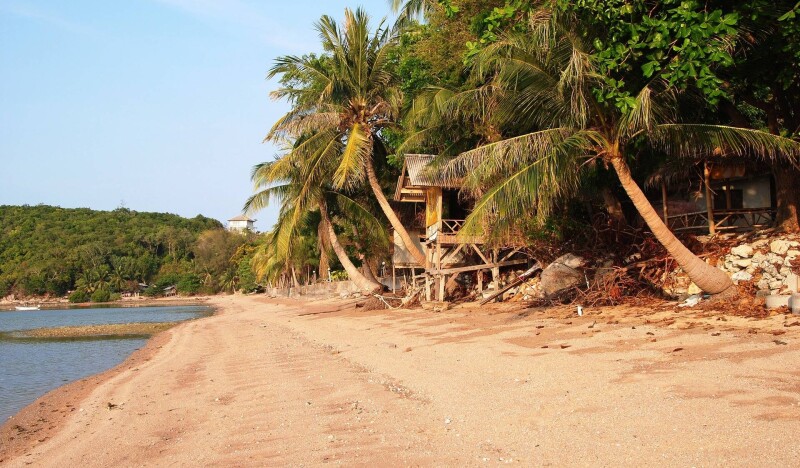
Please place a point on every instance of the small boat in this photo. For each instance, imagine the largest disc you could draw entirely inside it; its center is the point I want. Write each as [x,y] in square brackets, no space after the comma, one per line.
[27,307]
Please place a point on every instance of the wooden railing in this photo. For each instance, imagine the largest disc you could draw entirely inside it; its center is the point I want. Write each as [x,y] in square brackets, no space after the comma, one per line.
[452,226]
[742,219]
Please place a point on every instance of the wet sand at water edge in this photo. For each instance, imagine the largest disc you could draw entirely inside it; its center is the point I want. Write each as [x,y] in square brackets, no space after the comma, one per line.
[269,382]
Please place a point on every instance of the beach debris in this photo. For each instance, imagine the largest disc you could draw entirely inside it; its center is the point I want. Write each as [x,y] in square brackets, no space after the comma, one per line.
[580,311]
[562,274]
[779,342]
[691,301]
[677,349]
[112,405]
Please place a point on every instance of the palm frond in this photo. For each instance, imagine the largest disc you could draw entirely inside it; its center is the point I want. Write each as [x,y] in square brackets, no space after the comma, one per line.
[702,141]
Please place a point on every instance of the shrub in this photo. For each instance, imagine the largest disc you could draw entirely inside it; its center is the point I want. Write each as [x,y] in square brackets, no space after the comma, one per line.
[188,284]
[101,295]
[79,296]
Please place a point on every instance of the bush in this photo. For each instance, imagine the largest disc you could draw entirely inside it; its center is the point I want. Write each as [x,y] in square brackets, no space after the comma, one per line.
[339,275]
[79,296]
[101,295]
[188,284]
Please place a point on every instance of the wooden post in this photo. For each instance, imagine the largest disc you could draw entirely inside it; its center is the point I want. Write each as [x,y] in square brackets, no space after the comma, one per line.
[664,202]
[394,279]
[728,201]
[480,281]
[442,279]
[427,287]
[712,227]
[495,271]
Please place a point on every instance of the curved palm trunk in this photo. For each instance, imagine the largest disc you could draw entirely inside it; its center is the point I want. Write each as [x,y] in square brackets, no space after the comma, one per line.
[419,257]
[355,275]
[708,278]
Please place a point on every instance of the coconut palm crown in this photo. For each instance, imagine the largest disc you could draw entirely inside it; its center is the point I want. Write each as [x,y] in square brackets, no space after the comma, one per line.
[545,81]
[340,103]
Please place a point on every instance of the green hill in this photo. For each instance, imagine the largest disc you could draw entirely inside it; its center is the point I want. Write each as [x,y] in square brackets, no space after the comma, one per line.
[51,250]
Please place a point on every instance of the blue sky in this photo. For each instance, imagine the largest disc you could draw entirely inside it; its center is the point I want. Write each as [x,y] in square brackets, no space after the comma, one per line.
[157,105]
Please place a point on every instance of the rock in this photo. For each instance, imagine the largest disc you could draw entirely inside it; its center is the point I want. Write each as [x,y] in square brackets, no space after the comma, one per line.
[743,263]
[759,243]
[743,251]
[774,258]
[763,284]
[779,246]
[792,254]
[775,284]
[741,276]
[758,257]
[791,282]
[561,275]
[570,260]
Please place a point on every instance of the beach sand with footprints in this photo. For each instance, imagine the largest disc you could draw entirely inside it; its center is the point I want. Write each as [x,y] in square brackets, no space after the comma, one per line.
[270,382]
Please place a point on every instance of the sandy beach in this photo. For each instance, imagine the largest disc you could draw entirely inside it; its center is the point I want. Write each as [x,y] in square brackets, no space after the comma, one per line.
[270,382]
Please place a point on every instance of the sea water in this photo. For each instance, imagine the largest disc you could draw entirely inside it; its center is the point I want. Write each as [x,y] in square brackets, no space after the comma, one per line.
[30,368]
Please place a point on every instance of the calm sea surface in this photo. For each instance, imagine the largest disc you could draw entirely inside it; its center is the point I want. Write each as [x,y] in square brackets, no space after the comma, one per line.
[31,368]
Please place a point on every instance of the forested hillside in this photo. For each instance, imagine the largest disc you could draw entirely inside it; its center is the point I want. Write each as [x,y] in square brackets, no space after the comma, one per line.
[51,250]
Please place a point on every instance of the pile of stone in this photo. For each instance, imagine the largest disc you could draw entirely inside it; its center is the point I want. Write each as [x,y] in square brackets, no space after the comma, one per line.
[765,262]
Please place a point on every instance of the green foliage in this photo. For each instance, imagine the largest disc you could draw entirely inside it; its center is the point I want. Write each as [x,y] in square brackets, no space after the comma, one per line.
[247,279]
[51,250]
[679,41]
[101,295]
[79,296]
[339,275]
[189,284]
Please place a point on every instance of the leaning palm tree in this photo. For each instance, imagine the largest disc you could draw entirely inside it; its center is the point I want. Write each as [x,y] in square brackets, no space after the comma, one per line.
[340,103]
[546,77]
[300,186]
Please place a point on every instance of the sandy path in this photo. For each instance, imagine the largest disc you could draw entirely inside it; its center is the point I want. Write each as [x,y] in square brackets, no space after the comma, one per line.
[264,385]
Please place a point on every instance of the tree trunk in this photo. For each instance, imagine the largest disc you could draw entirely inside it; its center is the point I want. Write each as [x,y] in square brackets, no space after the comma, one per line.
[614,208]
[359,279]
[419,257]
[708,278]
[324,262]
[787,193]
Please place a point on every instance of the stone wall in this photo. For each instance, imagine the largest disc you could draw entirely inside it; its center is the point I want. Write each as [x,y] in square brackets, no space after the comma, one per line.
[318,290]
[765,261]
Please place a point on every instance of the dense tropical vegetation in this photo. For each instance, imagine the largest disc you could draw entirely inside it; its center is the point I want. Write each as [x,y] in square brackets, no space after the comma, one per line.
[98,255]
[536,106]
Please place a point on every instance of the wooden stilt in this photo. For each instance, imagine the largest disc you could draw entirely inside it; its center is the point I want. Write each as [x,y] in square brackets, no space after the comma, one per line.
[712,227]
[427,287]
[664,202]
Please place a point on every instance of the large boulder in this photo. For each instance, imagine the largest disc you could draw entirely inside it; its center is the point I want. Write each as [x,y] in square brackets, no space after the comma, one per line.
[563,273]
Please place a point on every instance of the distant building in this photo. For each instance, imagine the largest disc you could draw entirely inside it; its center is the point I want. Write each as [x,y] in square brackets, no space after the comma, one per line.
[241,223]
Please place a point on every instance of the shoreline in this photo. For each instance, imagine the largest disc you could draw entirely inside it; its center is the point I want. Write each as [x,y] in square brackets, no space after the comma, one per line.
[122,303]
[281,381]
[45,416]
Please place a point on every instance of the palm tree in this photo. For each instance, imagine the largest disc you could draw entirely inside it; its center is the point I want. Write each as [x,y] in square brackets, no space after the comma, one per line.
[340,103]
[300,187]
[545,80]
[409,10]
